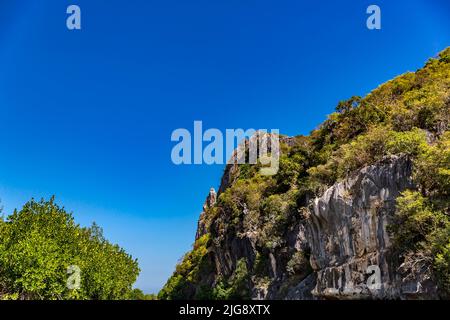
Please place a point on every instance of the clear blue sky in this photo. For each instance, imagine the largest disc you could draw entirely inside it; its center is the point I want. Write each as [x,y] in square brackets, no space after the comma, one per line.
[87,115]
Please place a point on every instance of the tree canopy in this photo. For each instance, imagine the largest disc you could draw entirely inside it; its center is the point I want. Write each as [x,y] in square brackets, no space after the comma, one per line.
[44,254]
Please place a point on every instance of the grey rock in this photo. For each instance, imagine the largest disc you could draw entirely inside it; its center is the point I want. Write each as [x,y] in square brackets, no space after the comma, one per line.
[347,234]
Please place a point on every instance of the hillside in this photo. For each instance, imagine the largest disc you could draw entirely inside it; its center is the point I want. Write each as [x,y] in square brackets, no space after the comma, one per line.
[358,209]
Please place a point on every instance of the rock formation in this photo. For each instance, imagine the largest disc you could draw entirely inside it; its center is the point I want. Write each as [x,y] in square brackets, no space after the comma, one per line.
[209,203]
[330,223]
[345,233]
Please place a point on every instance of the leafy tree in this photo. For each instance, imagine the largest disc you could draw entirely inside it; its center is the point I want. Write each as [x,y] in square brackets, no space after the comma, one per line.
[138,294]
[347,105]
[41,241]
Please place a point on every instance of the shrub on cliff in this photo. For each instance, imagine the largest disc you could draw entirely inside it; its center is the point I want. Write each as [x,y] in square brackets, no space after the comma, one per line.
[417,221]
[235,287]
[432,169]
[422,223]
[421,232]
[188,272]
[366,149]
[442,265]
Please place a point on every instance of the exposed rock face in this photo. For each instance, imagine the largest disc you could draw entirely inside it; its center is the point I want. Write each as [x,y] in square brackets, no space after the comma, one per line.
[347,234]
[317,226]
[239,155]
[209,203]
[344,231]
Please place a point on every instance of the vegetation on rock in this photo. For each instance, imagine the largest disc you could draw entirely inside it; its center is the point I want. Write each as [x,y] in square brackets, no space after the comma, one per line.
[408,116]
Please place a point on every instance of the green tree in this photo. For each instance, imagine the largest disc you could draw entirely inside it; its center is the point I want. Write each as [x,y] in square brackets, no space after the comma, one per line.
[138,294]
[41,241]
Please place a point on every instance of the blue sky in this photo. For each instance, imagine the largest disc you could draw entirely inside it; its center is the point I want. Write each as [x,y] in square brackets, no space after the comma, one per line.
[87,115]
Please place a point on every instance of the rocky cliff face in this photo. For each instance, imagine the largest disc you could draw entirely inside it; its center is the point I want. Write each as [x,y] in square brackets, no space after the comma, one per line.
[345,234]
[359,209]
[209,203]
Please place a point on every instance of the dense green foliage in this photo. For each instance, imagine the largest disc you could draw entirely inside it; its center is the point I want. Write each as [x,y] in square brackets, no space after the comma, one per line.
[236,286]
[422,227]
[407,116]
[187,273]
[138,294]
[40,243]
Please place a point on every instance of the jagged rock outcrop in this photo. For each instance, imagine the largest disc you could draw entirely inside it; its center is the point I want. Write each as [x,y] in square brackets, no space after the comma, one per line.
[347,235]
[209,203]
[341,216]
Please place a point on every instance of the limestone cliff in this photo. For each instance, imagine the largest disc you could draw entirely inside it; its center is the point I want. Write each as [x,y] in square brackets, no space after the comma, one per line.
[345,233]
[359,209]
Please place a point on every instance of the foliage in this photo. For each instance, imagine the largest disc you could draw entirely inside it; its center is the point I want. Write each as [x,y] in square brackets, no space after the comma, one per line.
[420,227]
[298,264]
[138,294]
[260,266]
[276,213]
[236,287]
[442,265]
[188,272]
[291,168]
[39,243]
[432,168]
[416,220]
[367,149]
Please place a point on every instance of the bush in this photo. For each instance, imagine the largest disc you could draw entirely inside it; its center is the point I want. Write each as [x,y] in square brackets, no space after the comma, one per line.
[416,221]
[412,143]
[366,150]
[290,169]
[418,227]
[442,266]
[276,211]
[237,286]
[298,265]
[432,168]
[188,272]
